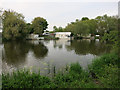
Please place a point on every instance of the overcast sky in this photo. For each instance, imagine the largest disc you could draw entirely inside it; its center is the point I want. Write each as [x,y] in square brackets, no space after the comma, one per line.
[61,12]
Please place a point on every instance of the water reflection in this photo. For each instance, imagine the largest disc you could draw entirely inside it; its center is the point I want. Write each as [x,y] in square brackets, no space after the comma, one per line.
[15,53]
[61,43]
[57,53]
[40,51]
[84,47]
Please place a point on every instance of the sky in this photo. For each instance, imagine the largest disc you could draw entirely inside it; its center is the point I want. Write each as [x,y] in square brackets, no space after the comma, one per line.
[61,12]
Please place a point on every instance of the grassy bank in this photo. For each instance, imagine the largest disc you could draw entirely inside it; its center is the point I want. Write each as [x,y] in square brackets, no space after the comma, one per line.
[102,73]
[50,38]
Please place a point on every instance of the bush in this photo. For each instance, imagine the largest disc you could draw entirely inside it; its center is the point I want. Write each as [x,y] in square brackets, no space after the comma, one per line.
[75,68]
[24,79]
[104,68]
[110,78]
[98,64]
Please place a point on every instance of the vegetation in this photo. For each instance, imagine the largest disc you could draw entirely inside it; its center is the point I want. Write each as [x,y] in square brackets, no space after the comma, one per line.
[102,73]
[29,28]
[59,29]
[50,38]
[106,70]
[101,25]
[39,25]
[15,27]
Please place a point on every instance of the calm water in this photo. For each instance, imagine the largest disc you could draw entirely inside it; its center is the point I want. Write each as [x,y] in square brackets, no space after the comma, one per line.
[45,55]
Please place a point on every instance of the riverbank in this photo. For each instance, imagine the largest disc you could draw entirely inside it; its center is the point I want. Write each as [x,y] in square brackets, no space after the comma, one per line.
[102,73]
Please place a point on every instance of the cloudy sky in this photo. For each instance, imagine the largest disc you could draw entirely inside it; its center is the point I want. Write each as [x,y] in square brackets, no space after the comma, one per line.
[61,12]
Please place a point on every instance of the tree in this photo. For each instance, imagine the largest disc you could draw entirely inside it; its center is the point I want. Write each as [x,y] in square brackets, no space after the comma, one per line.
[92,26]
[54,28]
[78,28]
[39,25]
[81,28]
[85,18]
[29,28]
[13,25]
[59,29]
[101,25]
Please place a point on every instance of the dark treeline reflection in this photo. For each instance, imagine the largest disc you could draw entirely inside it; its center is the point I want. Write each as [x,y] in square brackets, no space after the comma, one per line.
[16,52]
[60,46]
[84,47]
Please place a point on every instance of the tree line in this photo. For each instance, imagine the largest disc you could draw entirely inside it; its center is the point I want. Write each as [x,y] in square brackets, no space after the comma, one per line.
[101,25]
[15,27]
[106,26]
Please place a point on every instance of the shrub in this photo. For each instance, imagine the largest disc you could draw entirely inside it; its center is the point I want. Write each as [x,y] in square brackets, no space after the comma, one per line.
[98,64]
[75,68]
[105,69]
[24,79]
[110,77]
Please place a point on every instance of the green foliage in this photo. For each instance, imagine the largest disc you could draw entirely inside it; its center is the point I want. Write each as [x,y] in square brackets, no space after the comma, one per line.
[39,25]
[110,76]
[105,69]
[75,68]
[29,28]
[79,28]
[75,78]
[113,38]
[24,79]
[98,65]
[85,18]
[59,29]
[50,38]
[92,26]
[106,24]
[99,25]
[13,25]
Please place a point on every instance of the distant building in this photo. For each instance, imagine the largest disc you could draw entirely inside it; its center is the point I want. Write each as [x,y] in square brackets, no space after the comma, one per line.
[63,34]
[34,37]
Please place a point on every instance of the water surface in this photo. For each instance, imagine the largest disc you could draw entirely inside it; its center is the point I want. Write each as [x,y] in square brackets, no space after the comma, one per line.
[47,55]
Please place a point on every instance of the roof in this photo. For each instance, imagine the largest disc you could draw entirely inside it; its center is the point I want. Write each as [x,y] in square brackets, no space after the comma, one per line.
[63,33]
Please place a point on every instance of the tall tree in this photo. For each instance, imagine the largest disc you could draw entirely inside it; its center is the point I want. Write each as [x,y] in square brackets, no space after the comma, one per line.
[101,25]
[29,28]
[92,26]
[13,25]
[39,25]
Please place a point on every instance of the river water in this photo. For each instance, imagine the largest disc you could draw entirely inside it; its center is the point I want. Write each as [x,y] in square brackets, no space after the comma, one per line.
[47,55]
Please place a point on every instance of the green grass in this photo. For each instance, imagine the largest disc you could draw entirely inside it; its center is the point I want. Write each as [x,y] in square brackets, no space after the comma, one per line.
[102,73]
[50,38]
